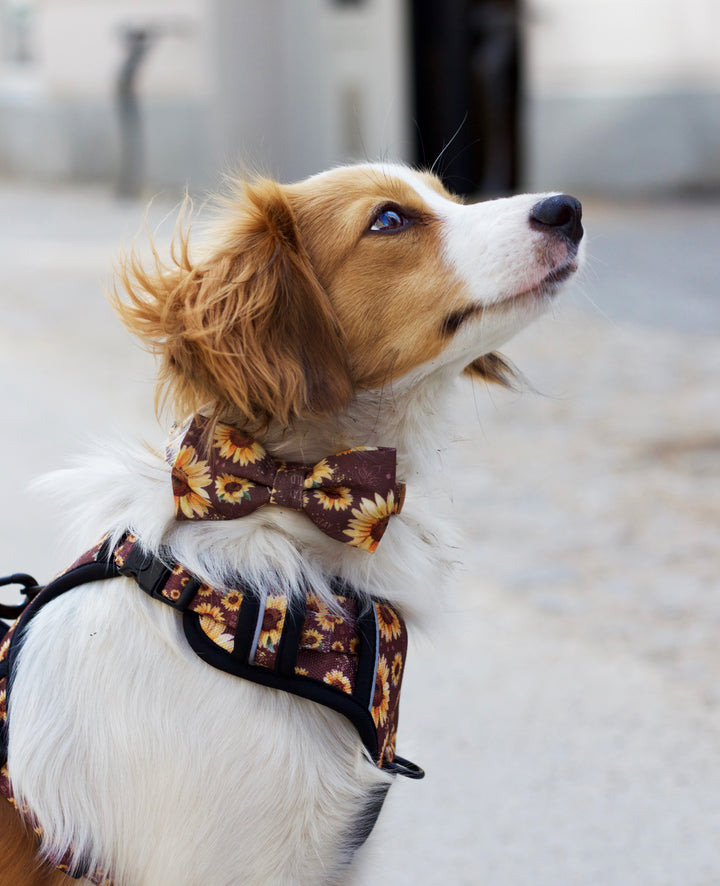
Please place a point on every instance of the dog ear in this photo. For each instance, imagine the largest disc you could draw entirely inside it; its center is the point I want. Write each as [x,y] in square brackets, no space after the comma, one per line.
[493,367]
[248,326]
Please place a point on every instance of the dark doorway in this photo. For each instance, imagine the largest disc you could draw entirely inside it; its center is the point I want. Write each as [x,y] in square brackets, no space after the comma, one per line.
[466,56]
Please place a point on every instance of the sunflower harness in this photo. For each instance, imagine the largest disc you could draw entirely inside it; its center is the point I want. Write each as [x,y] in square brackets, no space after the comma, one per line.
[349,658]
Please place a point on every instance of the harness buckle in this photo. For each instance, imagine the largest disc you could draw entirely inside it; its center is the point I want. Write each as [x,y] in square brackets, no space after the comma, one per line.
[151,574]
[148,571]
[30,589]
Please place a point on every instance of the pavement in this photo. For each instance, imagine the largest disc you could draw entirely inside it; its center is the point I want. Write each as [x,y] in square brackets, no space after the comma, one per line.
[567,708]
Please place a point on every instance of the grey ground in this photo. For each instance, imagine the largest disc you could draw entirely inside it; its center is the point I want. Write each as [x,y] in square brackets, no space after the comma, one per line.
[567,709]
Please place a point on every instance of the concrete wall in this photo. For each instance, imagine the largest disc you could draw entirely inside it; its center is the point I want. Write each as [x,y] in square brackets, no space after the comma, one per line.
[58,108]
[623,95]
[288,86]
[302,86]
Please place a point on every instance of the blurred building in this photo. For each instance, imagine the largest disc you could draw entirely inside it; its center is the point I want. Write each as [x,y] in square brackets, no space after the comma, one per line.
[624,95]
[599,94]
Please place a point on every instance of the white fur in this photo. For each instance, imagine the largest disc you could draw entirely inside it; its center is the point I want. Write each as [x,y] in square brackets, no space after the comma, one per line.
[127,746]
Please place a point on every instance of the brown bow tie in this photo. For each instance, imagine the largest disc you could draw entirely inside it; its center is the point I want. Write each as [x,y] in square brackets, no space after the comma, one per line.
[349,496]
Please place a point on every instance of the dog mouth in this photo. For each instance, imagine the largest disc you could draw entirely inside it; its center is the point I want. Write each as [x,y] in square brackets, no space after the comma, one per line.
[546,288]
[550,283]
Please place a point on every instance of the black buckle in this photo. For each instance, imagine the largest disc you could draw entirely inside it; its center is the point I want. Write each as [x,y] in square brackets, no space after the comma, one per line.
[151,574]
[30,589]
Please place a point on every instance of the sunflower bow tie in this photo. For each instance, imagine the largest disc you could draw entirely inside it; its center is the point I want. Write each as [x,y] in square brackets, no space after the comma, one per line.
[349,496]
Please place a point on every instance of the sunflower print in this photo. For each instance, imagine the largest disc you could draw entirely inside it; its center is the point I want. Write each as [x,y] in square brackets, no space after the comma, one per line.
[338,680]
[388,622]
[311,639]
[189,479]
[320,472]
[232,489]
[232,600]
[381,697]
[207,609]
[213,629]
[338,499]
[324,618]
[236,445]
[273,621]
[397,669]
[369,521]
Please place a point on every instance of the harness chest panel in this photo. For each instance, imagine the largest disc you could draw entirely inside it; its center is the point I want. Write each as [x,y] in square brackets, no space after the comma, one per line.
[349,657]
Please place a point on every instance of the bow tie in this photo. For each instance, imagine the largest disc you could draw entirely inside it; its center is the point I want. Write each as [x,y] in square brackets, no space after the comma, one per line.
[349,496]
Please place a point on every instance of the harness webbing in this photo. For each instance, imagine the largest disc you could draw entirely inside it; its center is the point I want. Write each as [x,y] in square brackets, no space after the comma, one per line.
[349,658]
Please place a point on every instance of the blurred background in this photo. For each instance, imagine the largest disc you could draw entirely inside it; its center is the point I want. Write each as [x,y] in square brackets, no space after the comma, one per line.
[609,95]
[566,708]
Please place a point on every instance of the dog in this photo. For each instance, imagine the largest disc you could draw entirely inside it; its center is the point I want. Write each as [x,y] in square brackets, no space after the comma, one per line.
[322,317]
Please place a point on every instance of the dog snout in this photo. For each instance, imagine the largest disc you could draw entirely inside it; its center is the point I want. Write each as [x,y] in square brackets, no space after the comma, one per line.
[559,215]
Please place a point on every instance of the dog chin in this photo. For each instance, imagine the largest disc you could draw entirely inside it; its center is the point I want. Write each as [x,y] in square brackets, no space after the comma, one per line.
[542,292]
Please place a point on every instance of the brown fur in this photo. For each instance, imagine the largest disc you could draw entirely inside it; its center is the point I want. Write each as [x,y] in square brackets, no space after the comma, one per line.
[19,863]
[248,327]
[263,323]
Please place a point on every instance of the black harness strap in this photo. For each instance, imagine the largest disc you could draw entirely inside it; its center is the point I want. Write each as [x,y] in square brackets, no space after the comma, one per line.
[83,574]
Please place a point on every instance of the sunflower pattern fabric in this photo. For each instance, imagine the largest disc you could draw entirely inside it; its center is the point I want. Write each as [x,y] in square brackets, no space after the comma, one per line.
[227,474]
[329,643]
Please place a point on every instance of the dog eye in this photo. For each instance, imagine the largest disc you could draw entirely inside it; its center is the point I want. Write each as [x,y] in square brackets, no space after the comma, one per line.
[389,220]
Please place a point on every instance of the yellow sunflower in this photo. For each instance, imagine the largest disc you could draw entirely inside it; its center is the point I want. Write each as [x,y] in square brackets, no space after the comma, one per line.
[326,619]
[397,668]
[311,639]
[369,521]
[338,499]
[189,479]
[381,698]
[273,621]
[174,593]
[302,672]
[236,445]
[321,471]
[214,630]
[232,600]
[388,622]
[338,680]
[207,609]
[232,489]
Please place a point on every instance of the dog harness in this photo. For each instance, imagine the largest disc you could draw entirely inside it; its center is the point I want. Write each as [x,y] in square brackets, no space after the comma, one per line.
[348,656]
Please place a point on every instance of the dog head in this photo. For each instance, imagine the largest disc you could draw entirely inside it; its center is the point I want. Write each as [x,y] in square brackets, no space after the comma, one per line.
[308,293]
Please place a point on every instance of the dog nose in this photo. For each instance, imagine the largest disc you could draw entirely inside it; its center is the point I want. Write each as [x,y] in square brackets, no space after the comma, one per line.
[560,214]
